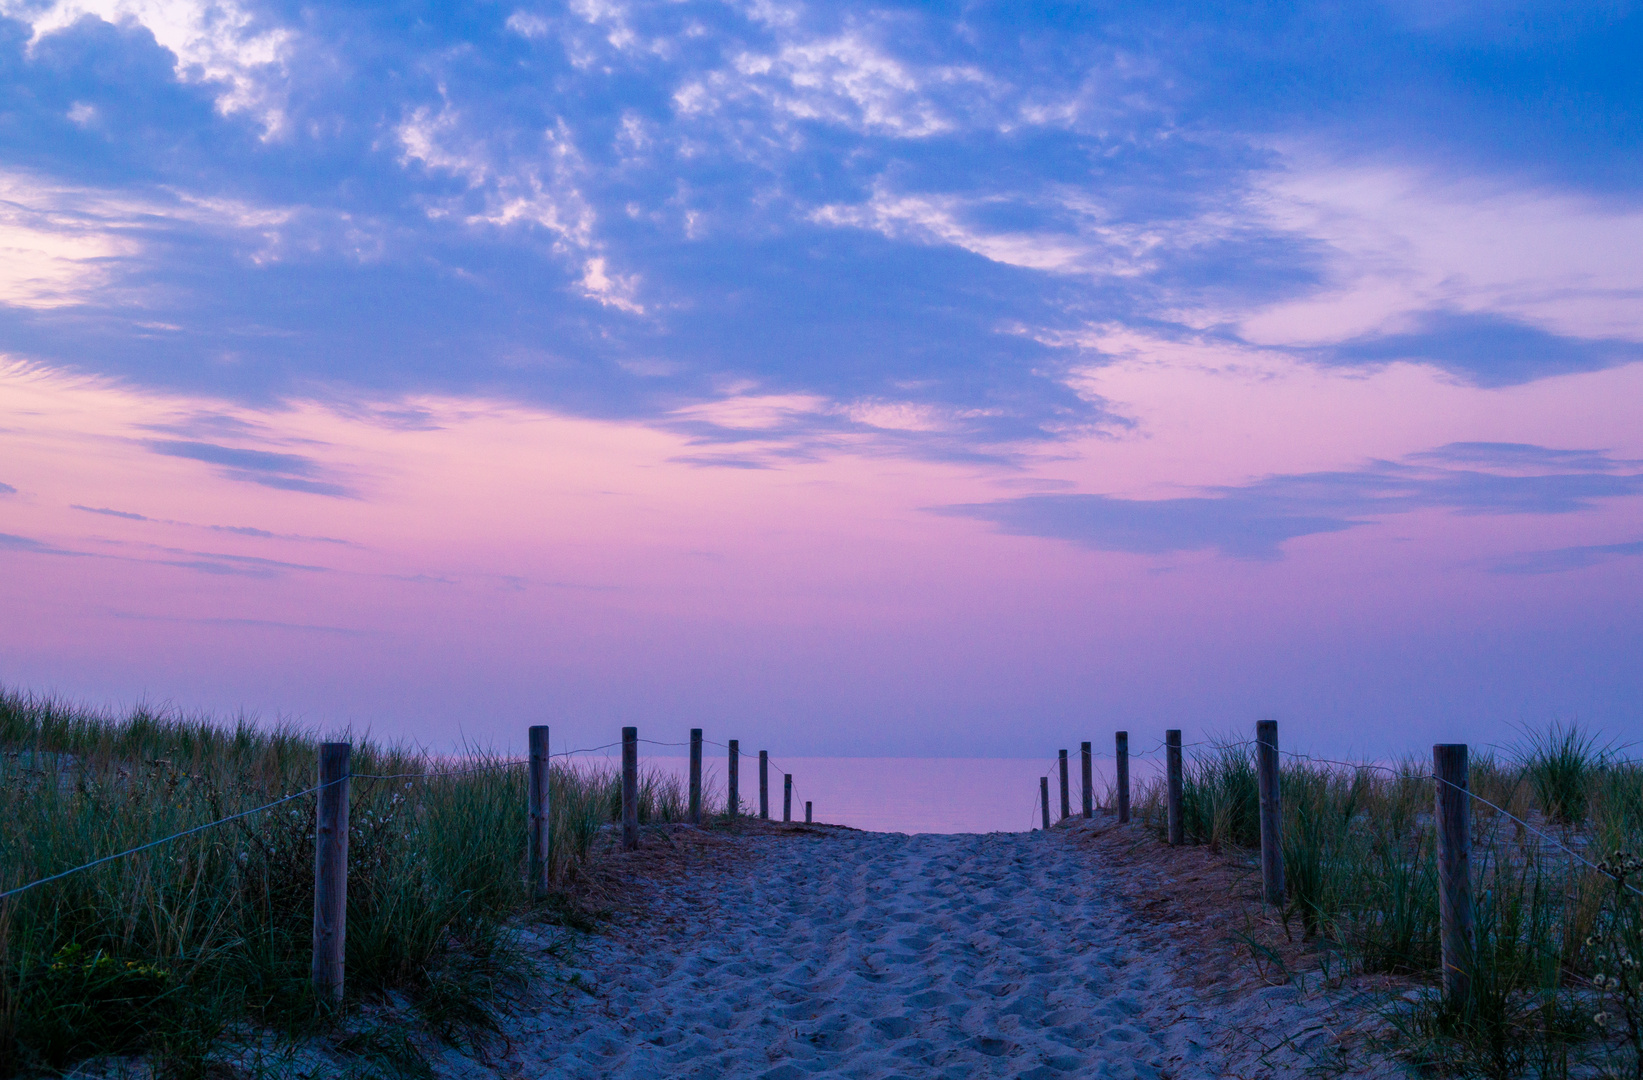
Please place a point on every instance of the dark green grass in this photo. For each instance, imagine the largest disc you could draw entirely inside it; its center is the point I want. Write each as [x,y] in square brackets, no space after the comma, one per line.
[165,952]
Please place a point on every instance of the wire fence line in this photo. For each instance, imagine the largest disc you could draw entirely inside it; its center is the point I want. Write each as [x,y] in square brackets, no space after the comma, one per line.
[435,773]
[1400,773]
[162,840]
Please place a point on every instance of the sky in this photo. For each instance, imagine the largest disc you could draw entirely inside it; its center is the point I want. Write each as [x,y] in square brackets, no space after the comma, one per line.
[955,380]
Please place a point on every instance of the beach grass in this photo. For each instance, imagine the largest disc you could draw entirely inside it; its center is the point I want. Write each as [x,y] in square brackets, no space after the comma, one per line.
[1556,940]
[168,951]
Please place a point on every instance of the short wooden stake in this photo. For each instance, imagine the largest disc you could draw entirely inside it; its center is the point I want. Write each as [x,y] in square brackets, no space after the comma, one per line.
[1089,789]
[630,788]
[1121,757]
[733,797]
[764,784]
[1172,765]
[1454,827]
[1272,810]
[695,776]
[1044,799]
[807,811]
[331,872]
[787,796]
[536,796]
[1066,804]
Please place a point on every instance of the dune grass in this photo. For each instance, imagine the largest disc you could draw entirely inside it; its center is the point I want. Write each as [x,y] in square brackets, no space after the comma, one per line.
[1558,975]
[167,951]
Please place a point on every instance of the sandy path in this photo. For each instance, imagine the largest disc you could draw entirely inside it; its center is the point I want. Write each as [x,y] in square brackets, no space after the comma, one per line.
[873,956]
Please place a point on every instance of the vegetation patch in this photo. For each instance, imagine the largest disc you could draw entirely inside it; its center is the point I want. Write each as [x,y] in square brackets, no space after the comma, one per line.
[1557,975]
[175,951]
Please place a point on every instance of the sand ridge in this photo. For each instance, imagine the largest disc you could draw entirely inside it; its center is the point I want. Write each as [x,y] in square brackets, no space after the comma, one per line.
[876,956]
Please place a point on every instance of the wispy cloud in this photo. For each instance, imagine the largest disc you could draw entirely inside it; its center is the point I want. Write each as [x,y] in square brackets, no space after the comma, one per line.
[107,512]
[1558,560]
[236,530]
[1252,521]
[1484,349]
[268,468]
[260,624]
[220,563]
[10,542]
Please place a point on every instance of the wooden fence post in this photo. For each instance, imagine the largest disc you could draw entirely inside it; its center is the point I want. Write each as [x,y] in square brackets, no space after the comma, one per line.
[1044,799]
[1454,826]
[807,811]
[1172,766]
[695,776]
[764,784]
[331,872]
[1089,791]
[733,797]
[1272,808]
[1122,758]
[1066,804]
[787,796]
[536,794]
[630,788]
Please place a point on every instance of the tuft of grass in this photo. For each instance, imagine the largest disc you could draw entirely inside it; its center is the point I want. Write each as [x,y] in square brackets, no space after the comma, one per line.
[1561,765]
[165,952]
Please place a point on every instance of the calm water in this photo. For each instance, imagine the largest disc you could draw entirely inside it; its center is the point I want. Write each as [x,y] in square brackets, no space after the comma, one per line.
[912,795]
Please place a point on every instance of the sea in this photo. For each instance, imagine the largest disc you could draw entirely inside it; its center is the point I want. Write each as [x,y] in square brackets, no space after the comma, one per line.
[906,795]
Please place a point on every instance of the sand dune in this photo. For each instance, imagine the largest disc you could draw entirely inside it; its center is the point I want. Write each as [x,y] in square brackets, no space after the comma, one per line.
[874,956]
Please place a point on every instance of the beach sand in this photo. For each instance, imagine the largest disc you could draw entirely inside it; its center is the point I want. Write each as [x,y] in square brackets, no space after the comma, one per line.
[790,952]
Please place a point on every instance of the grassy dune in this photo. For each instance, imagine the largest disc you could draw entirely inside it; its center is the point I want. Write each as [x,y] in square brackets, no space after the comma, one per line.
[167,951]
[1556,982]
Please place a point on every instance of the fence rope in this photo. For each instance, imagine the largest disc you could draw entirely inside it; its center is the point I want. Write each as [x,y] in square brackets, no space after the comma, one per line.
[436,774]
[1467,791]
[163,840]
[1544,836]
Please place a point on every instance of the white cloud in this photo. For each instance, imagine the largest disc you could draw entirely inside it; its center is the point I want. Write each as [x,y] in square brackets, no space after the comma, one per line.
[62,245]
[214,41]
[846,80]
[1085,245]
[1409,241]
[52,255]
[541,190]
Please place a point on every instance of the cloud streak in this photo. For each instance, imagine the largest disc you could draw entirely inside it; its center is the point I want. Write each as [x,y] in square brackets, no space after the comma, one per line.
[1560,560]
[1254,520]
[272,469]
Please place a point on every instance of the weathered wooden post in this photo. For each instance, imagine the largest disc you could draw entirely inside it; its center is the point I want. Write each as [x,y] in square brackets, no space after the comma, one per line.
[1172,766]
[1454,826]
[536,794]
[1044,799]
[764,784]
[695,776]
[331,872]
[787,796]
[1121,756]
[733,797]
[630,788]
[1089,790]
[807,811]
[1272,808]
[1066,804]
